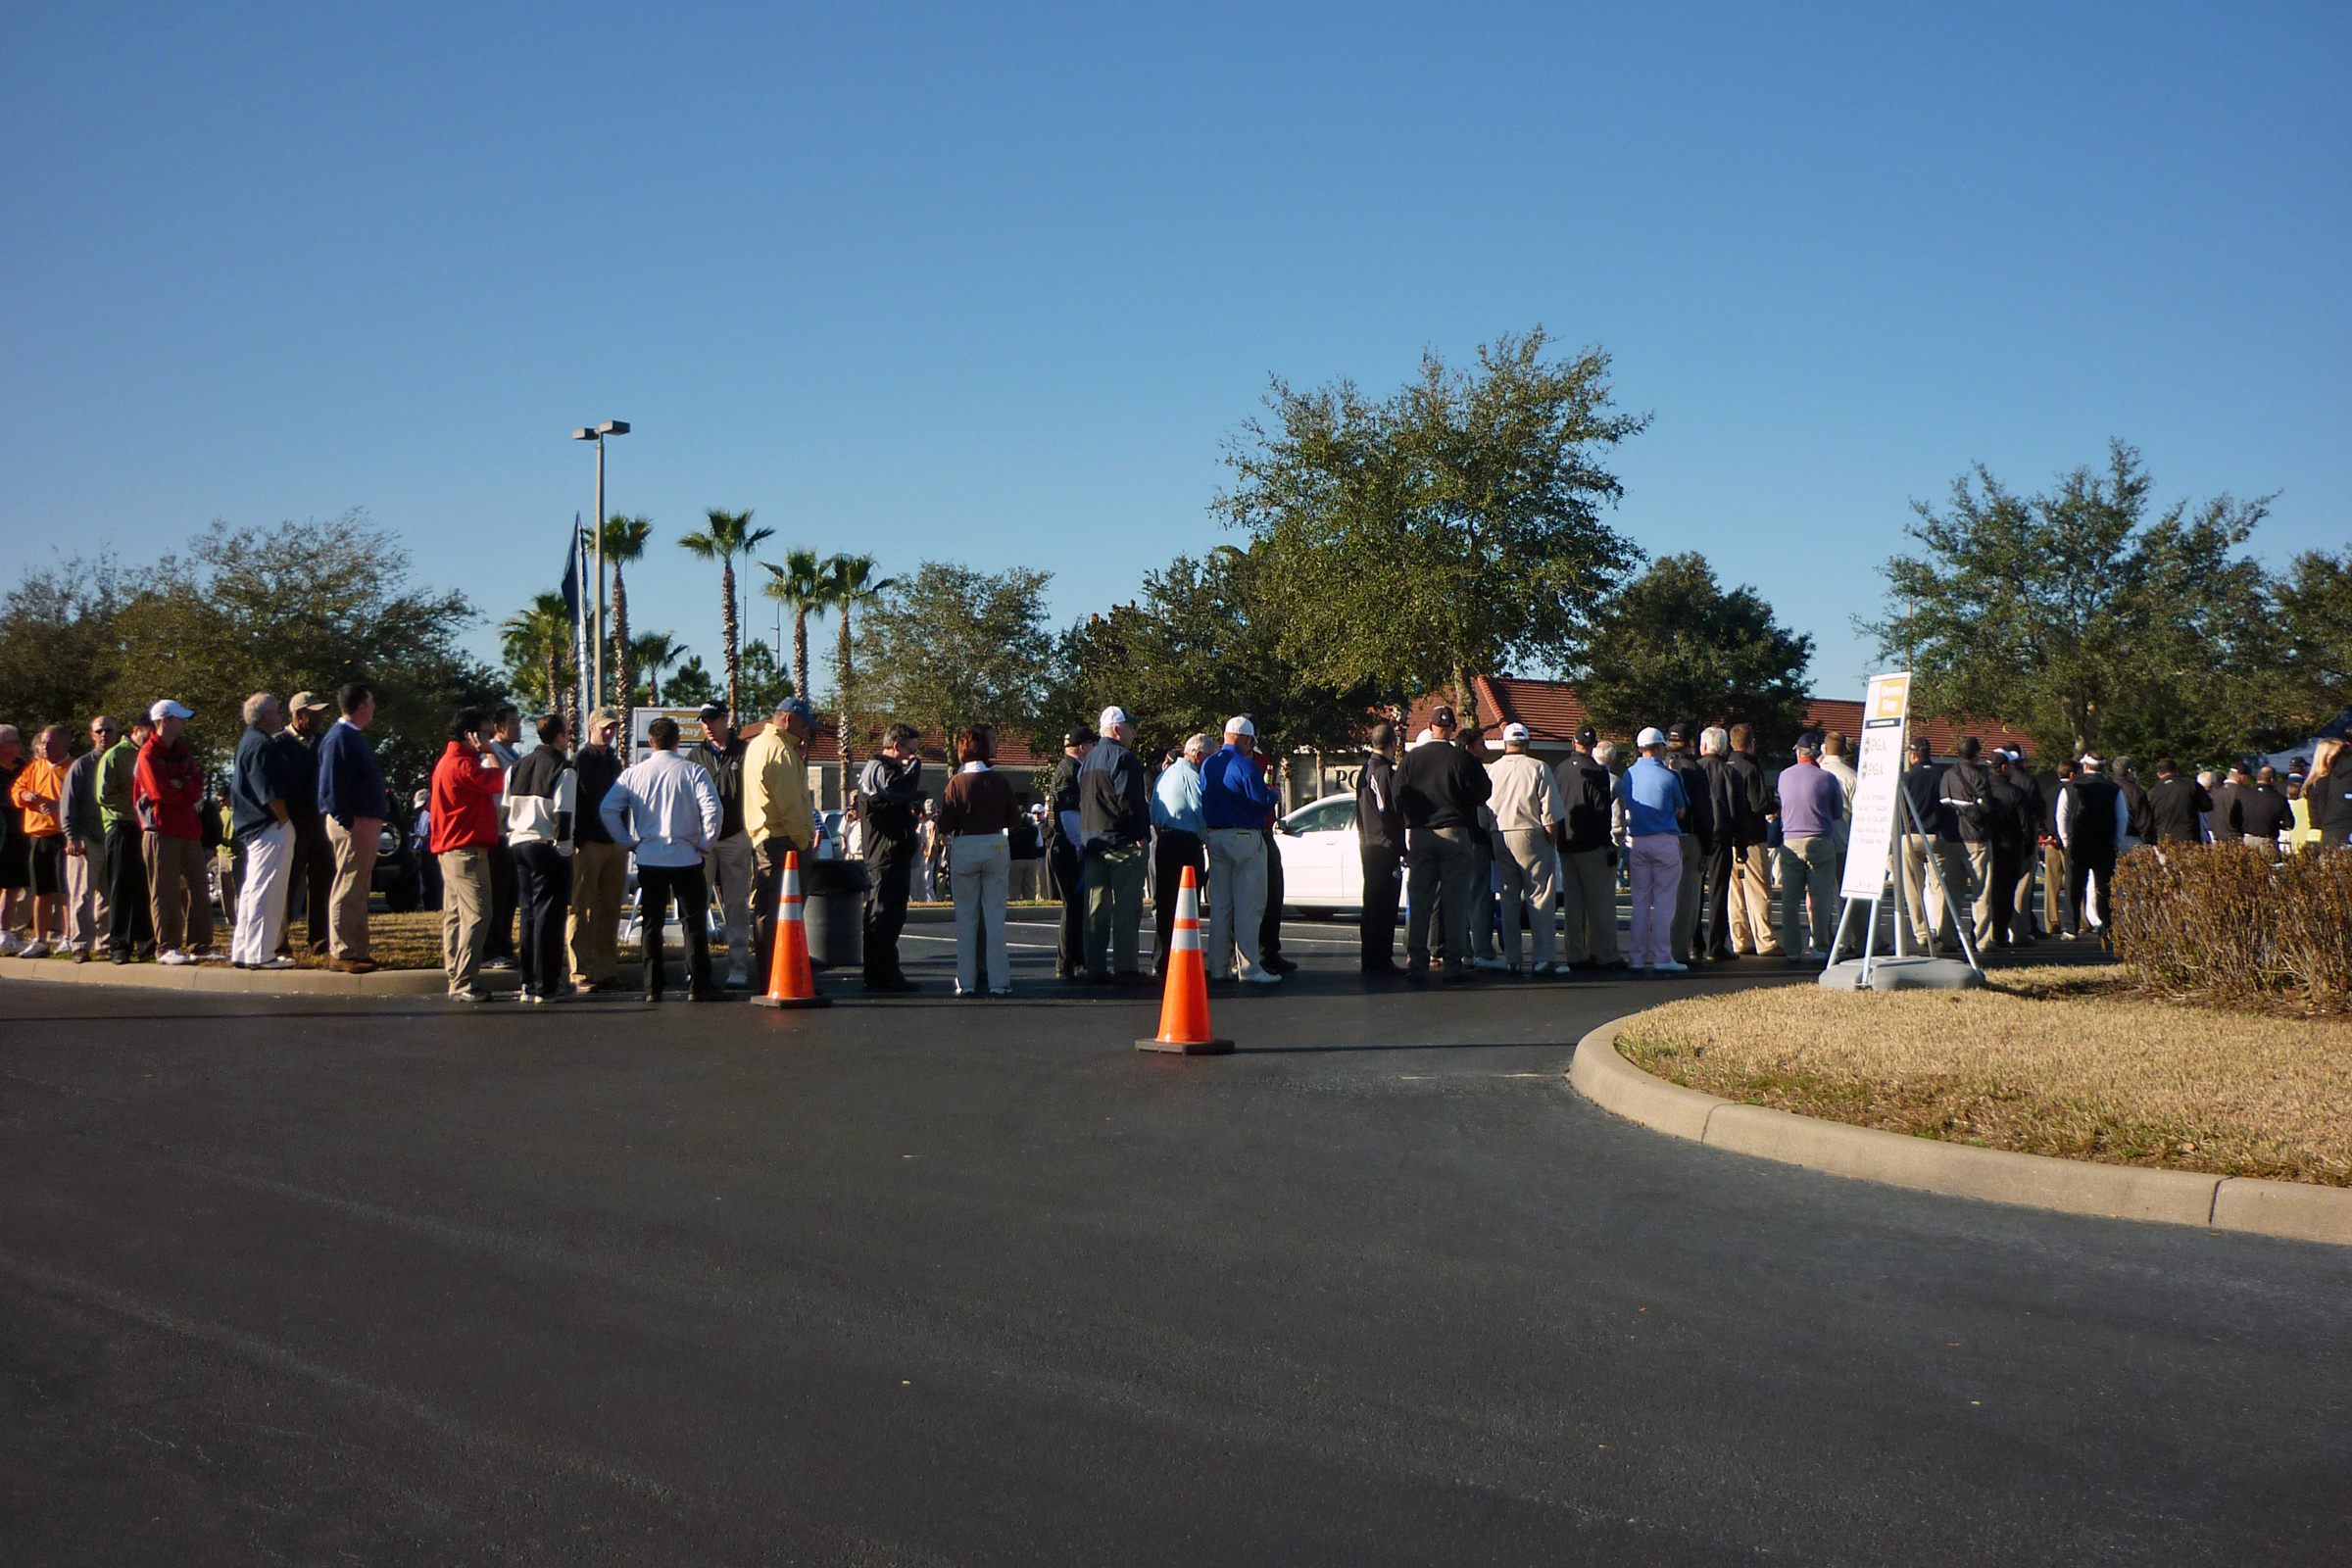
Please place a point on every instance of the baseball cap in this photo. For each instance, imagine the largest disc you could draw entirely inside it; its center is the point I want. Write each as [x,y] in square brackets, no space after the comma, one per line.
[1676,734]
[1240,724]
[1513,732]
[602,715]
[1076,737]
[797,708]
[1441,715]
[307,703]
[1651,736]
[1114,714]
[1809,740]
[2091,760]
[168,708]
[1587,735]
[713,710]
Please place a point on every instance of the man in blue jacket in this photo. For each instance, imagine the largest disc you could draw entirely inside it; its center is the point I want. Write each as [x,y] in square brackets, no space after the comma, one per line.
[1235,798]
[351,799]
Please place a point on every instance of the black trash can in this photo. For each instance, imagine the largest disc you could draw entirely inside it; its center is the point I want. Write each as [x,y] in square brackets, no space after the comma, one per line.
[836,913]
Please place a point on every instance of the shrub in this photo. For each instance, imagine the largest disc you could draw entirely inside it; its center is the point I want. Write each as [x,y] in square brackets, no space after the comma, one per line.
[2220,920]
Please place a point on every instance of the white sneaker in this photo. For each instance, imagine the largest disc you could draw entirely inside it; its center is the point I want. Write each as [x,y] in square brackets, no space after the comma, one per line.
[173,957]
[9,944]
[1262,977]
[1490,964]
[36,948]
[274,962]
[469,996]
[1670,967]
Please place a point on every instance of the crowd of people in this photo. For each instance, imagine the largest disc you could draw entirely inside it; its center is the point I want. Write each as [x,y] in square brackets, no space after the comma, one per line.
[1502,865]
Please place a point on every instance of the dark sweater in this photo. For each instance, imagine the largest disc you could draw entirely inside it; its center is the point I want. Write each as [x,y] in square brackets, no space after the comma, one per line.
[1115,805]
[1379,818]
[261,776]
[597,770]
[977,803]
[2173,807]
[1442,786]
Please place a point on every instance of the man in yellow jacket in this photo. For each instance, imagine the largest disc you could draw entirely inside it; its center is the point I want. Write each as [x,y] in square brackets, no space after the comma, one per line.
[779,816]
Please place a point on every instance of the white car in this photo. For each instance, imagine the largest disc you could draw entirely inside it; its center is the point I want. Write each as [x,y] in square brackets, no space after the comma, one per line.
[1322,868]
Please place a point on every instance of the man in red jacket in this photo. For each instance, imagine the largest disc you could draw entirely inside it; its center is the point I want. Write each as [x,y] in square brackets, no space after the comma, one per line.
[467,783]
[166,790]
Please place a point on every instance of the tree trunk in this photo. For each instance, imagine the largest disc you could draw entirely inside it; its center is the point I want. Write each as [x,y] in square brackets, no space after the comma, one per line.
[727,627]
[1465,704]
[847,725]
[799,654]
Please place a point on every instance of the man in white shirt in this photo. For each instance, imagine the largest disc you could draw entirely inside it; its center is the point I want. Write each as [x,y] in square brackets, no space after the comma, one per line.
[1526,809]
[666,810]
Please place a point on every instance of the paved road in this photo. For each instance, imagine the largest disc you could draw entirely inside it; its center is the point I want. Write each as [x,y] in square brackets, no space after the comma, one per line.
[922,1281]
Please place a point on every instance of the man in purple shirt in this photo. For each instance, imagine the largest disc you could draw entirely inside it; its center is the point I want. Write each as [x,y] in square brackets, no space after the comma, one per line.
[1812,801]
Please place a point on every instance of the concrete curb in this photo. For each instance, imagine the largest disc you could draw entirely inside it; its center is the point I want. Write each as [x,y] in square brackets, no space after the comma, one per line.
[219,978]
[2294,1210]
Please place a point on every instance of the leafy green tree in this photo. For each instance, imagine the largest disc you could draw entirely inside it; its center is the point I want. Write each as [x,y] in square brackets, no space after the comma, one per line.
[2312,620]
[2078,617]
[625,539]
[1674,645]
[953,646]
[653,652]
[1454,529]
[537,644]
[1202,644]
[765,683]
[725,536]
[691,685]
[801,587]
[310,605]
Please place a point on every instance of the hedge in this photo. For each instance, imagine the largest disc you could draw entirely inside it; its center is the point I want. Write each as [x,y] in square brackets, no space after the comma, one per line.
[2220,920]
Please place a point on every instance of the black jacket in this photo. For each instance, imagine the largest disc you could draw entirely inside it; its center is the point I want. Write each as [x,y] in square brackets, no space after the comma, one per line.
[2136,808]
[1115,808]
[1586,791]
[2173,807]
[1065,799]
[889,794]
[2262,812]
[598,767]
[2331,798]
[1752,800]
[2091,815]
[1697,787]
[1379,815]
[1440,785]
[1963,805]
[2006,804]
[1922,790]
[2033,809]
[1721,819]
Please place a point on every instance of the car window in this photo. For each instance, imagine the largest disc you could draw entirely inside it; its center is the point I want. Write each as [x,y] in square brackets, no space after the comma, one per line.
[1334,815]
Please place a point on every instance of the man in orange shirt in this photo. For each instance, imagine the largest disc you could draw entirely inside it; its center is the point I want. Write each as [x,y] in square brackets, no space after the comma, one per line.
[39,791]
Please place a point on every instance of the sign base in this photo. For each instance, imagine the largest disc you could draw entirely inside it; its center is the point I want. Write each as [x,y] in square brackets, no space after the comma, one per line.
[1901,974]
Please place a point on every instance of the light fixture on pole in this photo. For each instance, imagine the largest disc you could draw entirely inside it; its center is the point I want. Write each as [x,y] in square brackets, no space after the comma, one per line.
[597,434]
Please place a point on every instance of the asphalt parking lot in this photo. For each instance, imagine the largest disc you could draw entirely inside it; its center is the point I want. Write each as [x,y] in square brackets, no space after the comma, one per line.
[919,1281]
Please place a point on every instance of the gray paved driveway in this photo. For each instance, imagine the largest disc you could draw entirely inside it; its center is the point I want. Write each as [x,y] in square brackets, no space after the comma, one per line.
[923,1283]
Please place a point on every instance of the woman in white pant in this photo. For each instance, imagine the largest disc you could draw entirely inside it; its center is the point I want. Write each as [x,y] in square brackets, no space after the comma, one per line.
[974,812]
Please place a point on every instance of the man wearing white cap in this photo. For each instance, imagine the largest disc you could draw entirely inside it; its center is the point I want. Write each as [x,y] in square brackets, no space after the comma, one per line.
[1527,811]
[166,791]
[1655,809]
[1114,822]
[1234,802]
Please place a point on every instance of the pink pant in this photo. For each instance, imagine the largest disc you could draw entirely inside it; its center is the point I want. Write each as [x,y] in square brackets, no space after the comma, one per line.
[1655,863]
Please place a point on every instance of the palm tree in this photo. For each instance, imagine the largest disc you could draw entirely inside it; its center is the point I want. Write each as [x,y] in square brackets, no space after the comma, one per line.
[624,541]
[653,653]
[848,583]
[729,534]
[539,636]
[800,586]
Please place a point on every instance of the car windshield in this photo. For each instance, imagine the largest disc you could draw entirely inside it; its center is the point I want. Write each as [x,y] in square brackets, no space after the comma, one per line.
[1332,816]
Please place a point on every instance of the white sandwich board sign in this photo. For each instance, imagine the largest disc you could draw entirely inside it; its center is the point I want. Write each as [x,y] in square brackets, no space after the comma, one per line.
[1879,777]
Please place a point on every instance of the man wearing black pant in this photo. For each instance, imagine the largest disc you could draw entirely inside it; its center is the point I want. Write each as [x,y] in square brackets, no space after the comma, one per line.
[498,952]
[1380,839]
[130,927]
[542,800]
[1726,844]
[666,810]
[890,792]
[2091,818]
[1177,827]
[1064,861]
[1269,924]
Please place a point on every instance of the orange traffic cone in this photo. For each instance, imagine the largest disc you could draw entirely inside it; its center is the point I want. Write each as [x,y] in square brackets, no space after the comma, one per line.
[788,982]
[1183,1003]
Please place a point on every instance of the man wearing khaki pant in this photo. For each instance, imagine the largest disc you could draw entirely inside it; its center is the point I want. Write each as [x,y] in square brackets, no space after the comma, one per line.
[466,784]
[1751,873]
[353,800]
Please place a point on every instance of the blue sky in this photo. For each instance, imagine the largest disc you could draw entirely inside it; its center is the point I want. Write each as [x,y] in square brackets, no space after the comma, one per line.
[995,286]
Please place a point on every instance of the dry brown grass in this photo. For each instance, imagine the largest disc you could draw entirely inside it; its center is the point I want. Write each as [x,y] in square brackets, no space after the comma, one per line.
[2218,922]
[2062,1060]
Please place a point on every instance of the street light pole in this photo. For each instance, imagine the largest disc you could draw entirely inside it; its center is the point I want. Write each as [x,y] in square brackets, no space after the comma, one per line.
[597,434]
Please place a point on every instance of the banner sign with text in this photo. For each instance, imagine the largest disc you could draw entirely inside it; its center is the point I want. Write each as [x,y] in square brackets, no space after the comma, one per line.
[1878,775]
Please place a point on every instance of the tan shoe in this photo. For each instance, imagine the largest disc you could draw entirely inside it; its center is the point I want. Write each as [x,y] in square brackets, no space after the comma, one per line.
[353,967]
